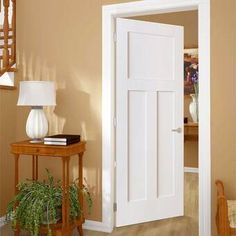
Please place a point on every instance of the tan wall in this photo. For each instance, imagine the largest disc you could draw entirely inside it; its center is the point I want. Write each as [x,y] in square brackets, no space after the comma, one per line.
[7,135]
[62,42]
[223,87]
[188,19]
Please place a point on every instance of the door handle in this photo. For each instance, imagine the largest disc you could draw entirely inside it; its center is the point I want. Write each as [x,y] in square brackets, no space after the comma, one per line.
[178,130]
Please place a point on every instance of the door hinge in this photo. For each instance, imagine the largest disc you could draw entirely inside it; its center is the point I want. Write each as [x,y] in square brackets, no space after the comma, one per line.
[115,37]
[114,122]
[115,207]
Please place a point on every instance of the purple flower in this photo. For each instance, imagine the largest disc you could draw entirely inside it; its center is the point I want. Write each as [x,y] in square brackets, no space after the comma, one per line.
[194,77]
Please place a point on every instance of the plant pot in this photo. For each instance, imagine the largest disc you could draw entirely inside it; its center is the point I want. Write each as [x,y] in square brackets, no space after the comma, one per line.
[193,108]
[58,217]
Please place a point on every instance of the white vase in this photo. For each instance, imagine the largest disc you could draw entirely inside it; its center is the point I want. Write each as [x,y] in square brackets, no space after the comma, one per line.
[193,108]
[36,125]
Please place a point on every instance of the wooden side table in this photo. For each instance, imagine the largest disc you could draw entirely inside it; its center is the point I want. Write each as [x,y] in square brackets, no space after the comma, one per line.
[191,132]
[66,226]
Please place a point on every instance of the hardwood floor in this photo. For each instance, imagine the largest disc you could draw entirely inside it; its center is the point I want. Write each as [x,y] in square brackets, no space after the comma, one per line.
[179,226]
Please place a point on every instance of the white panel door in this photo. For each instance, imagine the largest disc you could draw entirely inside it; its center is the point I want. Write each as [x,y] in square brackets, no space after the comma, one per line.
[149,112]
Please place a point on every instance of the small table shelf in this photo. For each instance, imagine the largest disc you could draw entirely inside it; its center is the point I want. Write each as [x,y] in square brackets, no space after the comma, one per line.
[66,226]
[191,132]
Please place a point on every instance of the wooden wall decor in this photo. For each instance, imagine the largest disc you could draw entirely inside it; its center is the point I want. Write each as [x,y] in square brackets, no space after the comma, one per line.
[8,36]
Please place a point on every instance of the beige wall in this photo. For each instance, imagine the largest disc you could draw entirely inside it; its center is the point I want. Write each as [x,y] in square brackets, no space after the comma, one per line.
[223,87]
[62,42]
[188,19]
[8,125]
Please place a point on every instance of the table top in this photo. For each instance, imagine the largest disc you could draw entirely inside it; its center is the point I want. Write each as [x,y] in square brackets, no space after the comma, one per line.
[191,124]
[40,149]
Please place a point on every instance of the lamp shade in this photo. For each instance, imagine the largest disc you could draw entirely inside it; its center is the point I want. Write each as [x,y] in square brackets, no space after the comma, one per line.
[37,93]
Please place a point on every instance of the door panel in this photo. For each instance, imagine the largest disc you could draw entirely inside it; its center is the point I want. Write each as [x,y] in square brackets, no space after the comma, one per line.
[137,158]
[165,144]
[153,51]
[149,105]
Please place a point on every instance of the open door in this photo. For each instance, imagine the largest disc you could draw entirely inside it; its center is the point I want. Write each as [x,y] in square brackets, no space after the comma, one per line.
[149,114]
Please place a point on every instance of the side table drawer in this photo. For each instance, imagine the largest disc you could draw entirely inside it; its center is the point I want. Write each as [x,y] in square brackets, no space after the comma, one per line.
[27,148]
[35,151]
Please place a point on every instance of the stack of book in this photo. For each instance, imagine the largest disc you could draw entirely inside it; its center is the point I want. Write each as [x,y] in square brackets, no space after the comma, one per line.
[62,139]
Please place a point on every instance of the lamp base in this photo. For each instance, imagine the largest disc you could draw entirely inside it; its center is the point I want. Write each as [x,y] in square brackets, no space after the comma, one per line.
[36,125]
[36,141]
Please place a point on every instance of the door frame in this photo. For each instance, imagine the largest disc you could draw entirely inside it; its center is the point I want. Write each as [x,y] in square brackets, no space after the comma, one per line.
[145,7]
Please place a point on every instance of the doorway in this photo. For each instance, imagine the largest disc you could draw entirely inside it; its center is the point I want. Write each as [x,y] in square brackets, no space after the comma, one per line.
[148,108]
[143,8]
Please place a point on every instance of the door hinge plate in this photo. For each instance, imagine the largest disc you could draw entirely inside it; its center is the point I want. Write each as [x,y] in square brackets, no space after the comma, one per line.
[114,122]
[115,207]
[115,37]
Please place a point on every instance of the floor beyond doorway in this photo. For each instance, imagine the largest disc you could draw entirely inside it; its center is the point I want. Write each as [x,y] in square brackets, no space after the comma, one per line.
[180,226]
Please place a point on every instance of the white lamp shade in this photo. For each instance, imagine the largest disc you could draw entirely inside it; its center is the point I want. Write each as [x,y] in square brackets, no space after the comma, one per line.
[37,93]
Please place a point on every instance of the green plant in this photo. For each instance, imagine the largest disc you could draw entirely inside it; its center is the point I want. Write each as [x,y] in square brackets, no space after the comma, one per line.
[37,200]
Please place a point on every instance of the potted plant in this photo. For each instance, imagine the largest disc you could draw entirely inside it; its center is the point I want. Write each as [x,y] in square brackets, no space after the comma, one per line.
[40,202]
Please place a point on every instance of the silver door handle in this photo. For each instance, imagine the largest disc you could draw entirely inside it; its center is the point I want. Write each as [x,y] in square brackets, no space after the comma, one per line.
[178,130]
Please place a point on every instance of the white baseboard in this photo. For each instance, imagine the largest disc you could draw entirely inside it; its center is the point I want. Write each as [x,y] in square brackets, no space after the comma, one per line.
[96,226]
[2,221]
[89,225]
[190,170]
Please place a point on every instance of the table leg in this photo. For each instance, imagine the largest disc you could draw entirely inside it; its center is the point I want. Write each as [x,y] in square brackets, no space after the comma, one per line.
[16,172]
[62,233]
[65,196]
[17,231]
[80,230]
[36,168]
[63,191]
[58,233]
[33,167]
[67,190]
[81,178]
[80,195]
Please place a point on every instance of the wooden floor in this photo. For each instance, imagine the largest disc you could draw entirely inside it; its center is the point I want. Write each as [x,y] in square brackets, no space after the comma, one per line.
[180,226]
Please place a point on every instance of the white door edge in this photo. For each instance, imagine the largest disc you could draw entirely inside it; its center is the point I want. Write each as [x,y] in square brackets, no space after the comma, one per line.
[110,12]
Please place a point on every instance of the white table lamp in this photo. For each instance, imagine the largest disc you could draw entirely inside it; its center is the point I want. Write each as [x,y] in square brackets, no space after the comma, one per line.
[37,94]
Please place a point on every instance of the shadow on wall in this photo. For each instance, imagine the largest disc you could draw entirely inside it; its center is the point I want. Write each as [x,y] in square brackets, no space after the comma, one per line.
[74,110]
[74,114]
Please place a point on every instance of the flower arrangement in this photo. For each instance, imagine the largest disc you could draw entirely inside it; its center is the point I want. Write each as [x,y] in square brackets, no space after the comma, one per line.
[191,71]
[194,111]
[194,79]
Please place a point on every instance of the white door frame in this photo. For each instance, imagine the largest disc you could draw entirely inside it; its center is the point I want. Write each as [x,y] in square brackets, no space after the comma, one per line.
[146,7]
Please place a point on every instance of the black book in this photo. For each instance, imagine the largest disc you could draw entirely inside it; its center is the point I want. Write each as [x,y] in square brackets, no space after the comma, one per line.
[67,138]
[61,143]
